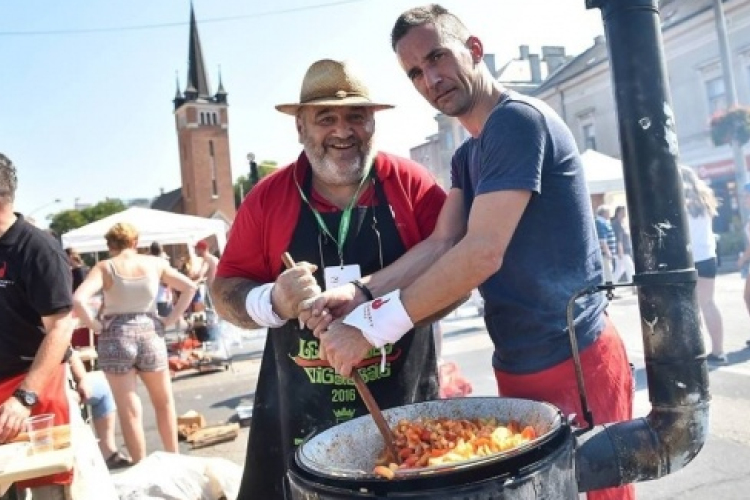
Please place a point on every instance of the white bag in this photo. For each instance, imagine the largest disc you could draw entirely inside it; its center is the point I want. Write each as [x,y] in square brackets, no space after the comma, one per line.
[180,477]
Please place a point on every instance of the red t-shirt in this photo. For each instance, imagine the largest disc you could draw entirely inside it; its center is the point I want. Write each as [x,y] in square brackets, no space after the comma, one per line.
[267,218]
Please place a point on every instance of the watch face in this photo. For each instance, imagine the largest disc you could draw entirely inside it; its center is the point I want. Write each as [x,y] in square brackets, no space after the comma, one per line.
[27,398]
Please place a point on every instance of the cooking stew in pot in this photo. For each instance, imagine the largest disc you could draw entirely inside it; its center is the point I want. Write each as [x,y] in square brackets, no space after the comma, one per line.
[350,450]
[427,442]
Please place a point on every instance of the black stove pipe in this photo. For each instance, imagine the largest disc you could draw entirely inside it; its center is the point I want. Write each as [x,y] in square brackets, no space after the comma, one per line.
[676,428]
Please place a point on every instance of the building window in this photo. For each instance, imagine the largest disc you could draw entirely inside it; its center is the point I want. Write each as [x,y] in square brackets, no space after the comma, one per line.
[215,118]
[212,159]
[716,94]
[588,132]
[448,140]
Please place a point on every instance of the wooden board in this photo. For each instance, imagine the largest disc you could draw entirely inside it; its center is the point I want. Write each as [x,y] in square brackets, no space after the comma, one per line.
[213,435]
[31,466]
[60,437]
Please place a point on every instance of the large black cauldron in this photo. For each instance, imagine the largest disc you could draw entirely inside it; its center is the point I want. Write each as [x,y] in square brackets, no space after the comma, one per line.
[337,464]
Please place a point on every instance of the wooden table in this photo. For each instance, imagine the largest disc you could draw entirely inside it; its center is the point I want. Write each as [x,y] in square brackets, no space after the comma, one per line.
[24,466]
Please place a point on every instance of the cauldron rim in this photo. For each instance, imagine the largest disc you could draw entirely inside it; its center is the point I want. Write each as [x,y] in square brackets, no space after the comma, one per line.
[551,416]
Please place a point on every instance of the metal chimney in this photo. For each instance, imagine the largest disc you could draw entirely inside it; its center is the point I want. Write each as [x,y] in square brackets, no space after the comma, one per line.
[676,428]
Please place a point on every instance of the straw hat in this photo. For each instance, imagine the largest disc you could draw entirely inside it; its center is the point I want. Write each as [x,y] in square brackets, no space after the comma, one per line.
[332,83]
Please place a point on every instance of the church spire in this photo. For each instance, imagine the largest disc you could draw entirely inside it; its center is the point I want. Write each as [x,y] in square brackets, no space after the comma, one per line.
[178,94]
[178,99]
[197,82]
[221,94]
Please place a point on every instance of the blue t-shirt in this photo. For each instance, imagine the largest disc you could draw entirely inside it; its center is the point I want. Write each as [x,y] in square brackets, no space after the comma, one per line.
[606,232]
[554,252]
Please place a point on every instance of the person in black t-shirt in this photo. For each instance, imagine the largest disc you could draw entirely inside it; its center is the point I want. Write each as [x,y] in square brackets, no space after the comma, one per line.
[78,268]
[36,309]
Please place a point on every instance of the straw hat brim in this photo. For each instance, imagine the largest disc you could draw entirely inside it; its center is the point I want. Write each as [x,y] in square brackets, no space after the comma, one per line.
[356,101]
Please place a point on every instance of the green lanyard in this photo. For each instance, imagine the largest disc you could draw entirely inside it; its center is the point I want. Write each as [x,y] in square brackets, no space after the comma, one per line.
[346,217]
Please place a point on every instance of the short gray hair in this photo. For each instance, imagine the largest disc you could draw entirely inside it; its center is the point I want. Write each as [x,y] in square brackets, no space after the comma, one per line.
[8,180]
[603,210]
[448,25]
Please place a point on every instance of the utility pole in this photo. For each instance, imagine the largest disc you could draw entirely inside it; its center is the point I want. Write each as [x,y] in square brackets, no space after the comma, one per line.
[740,167]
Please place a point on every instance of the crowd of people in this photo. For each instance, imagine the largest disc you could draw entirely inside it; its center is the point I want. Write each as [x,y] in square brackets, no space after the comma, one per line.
[382,253]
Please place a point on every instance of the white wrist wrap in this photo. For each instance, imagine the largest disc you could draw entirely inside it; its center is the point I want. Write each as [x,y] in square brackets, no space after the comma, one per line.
[382,321]
[258,305]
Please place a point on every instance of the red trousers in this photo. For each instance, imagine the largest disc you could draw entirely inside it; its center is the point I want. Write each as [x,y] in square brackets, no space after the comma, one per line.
[53,399]
[609,390]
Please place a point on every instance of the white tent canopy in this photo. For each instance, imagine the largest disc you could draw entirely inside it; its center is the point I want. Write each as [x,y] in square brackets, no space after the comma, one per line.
[153,225]
[603,173]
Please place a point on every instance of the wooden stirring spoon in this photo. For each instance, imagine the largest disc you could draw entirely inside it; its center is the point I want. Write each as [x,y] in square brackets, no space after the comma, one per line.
[366,395]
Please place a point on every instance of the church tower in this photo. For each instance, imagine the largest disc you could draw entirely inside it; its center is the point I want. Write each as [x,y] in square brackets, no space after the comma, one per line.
[202,134]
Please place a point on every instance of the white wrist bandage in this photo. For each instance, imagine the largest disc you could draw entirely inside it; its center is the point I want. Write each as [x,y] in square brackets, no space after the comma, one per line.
[382,321]
[260,309]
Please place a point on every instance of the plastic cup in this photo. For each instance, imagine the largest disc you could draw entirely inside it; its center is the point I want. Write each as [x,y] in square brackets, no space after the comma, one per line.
[39,428]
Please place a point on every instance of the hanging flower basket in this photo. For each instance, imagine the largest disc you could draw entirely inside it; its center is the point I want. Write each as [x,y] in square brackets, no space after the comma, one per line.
[731,125]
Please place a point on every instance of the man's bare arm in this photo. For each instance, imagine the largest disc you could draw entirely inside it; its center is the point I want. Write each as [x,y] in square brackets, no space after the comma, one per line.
[472,260]
[450,228]
[229,296]
[443,312]
[49,356]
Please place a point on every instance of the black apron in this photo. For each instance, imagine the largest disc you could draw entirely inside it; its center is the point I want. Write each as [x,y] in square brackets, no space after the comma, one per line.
[298,394]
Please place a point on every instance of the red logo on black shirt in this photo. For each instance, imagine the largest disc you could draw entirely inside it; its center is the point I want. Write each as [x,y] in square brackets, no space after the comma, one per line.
[378,303]
[2,269]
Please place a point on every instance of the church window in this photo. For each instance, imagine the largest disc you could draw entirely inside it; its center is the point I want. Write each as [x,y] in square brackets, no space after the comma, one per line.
[212,159]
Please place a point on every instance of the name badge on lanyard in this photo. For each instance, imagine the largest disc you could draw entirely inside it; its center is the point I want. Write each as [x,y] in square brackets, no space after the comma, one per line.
[341,275]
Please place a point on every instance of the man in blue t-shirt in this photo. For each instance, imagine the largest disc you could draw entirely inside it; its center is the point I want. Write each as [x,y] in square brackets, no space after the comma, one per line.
[517,224]
[607,240]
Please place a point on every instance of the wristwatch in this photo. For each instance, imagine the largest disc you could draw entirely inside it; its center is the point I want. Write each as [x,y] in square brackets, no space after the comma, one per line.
[27,398]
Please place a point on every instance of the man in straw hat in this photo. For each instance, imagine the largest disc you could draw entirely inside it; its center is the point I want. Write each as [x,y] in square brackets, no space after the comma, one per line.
[520,227]
[347,211]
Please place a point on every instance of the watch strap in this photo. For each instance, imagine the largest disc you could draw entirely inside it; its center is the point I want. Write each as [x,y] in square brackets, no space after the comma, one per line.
[364,289]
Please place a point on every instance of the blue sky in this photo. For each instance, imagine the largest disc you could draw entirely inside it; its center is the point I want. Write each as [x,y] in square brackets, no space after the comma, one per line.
[88,115]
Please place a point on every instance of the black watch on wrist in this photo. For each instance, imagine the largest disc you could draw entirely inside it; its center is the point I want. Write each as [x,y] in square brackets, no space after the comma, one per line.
[27,398]
[366,291]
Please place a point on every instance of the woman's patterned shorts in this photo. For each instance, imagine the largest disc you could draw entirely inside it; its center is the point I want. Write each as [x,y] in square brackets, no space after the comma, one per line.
[132,341]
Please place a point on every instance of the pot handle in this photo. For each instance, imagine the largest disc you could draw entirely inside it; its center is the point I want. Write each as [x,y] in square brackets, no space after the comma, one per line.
[298,450]
[587,414]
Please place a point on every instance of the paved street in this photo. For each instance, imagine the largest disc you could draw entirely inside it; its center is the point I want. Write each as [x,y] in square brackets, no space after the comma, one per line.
[720,471]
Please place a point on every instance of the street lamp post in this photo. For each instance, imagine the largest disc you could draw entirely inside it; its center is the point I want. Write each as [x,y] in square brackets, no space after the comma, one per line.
[42,207]
[253,168]
[740,167]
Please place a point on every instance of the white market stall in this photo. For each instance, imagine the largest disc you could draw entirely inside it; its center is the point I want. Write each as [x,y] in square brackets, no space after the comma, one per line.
[603,173]
[153,225]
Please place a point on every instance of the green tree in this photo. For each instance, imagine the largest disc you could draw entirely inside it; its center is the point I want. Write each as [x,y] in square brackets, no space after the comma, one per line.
[102,209]
[244,184]
[67,220]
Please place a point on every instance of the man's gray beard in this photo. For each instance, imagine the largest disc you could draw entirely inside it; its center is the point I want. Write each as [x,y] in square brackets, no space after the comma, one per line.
[330,173]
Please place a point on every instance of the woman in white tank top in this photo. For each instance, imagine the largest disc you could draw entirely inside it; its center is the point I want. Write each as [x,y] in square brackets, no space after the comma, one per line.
[744,259]
[701,209]
[132,334]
